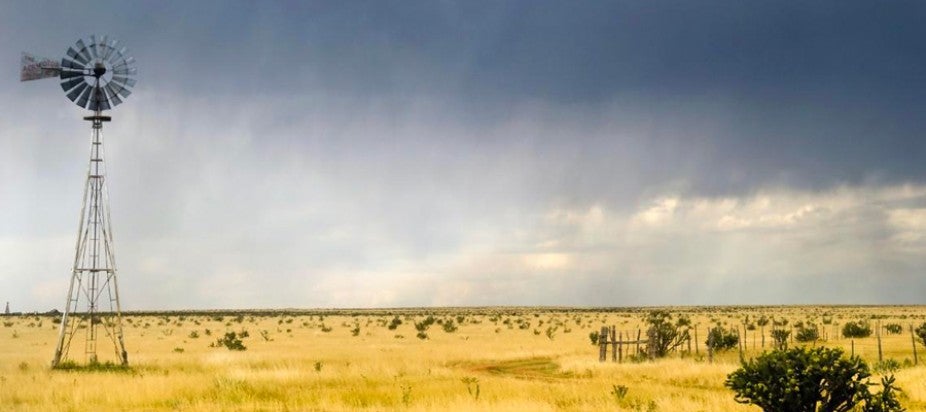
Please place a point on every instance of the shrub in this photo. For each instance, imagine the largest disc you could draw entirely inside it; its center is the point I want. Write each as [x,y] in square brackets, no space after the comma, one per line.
[780,337]
[893,328]
[663,335]
[231,341]
[472,386]
[720,339]
[762,321]
[395,323]
[856,330]
[807,334]
[449,326]
[921,333]
[593,336]
[802,379]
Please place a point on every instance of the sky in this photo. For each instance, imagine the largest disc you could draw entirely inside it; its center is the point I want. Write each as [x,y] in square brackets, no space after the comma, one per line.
[438,153]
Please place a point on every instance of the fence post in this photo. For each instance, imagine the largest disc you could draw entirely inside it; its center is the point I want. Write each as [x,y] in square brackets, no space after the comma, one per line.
[620,348]
[742,343]
[853,347]
[697,352]
[638,342]
[710,349]
[913,340]
[880,357]
[603,344]
[613,344]
[745,334]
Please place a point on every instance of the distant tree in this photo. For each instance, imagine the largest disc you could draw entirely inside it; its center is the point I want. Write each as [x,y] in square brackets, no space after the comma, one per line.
[395,323]
[762,321]
[593,336]
[921,333]
[780,338]
[856,330]
[893,328]
[720,339]
[663,335]
[231,341]
[807,334]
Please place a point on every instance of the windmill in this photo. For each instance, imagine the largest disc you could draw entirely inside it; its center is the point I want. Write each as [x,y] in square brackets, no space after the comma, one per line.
[96,75]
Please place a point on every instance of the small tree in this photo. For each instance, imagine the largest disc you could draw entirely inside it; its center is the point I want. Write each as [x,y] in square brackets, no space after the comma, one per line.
[780,336]
[808,380]
[921,333]
[762,321]
[593,336]
[231,341]
[807,334]
[663,335]
[856,330]
[893,328]
[720,339]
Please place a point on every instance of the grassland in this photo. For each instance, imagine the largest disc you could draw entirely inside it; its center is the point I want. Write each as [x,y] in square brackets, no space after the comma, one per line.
[518,359]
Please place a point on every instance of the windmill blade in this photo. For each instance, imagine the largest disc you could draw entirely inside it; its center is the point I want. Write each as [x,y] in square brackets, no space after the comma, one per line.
[112,95]
[75,94]
[126,62]
[84,97]
[110,48]
[98,100]
[67,74]
[103,48]
[82,49]
[77,56]
[68,85]
[124,81]
[34,67]
[125,70]
[120,89]
[124,92]
[93,44]
[71,64]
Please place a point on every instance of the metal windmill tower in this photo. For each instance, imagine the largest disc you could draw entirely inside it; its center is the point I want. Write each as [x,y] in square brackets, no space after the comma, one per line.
[95,75]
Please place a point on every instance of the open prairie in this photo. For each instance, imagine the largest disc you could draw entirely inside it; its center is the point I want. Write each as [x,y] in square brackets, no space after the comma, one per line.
[470,359]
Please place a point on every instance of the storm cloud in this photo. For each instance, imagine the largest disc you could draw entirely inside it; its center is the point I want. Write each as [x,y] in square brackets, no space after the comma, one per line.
[314,154]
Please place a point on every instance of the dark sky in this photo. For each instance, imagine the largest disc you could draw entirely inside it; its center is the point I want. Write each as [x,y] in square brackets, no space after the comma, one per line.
[520,152]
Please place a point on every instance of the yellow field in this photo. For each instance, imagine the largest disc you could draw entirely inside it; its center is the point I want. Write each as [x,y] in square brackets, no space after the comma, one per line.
[486,364]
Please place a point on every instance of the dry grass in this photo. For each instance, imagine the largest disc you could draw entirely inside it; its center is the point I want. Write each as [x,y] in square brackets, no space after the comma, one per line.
[300,367]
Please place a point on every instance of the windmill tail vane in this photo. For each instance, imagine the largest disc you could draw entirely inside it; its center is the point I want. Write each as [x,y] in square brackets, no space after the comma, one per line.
[96,75]
[34,67]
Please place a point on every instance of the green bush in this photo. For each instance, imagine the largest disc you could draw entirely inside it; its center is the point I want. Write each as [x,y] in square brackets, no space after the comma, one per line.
[449,326]
[856,330]
[720,339]
[780,336]
[663,335]
[808,334]
[593,336]
[893,328]
[921,333]
[230,341]
[818,379]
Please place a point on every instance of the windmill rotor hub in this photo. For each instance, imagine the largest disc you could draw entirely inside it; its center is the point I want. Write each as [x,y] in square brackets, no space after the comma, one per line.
[99,70]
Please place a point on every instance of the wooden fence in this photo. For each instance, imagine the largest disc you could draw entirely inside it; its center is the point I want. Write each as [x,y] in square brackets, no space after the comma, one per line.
[610,336]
